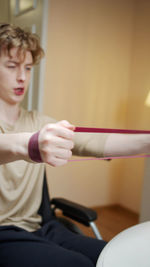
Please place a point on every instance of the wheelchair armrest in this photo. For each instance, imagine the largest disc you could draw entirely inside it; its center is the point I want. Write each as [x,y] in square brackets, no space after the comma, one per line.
[75,211]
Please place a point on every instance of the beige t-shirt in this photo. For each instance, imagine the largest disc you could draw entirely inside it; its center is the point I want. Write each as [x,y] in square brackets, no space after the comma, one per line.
[21,182]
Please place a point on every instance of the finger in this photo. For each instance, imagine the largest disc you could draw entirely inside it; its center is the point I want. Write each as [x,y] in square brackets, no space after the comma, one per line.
[61,142]
[56,162]
[60,131]
[63,153]
[67,125]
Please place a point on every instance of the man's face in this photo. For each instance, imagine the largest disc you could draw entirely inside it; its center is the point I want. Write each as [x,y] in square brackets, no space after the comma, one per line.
[14,76]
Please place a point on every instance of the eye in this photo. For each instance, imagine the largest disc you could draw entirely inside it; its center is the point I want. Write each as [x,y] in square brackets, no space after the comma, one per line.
[28,68]
[11,66]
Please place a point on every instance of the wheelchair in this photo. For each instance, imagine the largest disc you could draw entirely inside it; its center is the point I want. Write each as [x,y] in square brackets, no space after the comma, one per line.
[76,212]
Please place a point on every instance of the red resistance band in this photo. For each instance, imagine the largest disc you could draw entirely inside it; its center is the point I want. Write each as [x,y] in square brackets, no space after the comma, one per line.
[108,130]
[33,148]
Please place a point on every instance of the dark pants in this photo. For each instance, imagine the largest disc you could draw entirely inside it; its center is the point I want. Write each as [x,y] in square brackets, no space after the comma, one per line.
[51,246]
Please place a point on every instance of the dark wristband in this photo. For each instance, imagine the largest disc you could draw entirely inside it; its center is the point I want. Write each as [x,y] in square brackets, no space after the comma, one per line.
[33,148]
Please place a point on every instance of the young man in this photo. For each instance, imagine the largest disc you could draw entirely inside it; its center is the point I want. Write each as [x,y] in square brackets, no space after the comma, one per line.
[27,141]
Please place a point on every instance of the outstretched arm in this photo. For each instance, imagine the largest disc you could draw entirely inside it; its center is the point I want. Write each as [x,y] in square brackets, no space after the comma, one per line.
[107,145]
[56,144]
[127,144]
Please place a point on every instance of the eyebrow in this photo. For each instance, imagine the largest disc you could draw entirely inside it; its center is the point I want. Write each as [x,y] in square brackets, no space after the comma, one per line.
[18,62]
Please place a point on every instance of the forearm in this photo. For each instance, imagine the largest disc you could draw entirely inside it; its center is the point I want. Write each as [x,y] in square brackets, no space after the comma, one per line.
[124,144]
[14,147]
[105,145]
[89,144]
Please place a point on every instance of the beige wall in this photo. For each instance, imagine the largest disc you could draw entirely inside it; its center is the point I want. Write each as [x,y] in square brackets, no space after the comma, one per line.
[138,116]
[4,11]
[87,79]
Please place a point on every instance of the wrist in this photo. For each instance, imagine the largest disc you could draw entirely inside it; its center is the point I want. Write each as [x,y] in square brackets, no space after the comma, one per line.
[33,148]
[20,148]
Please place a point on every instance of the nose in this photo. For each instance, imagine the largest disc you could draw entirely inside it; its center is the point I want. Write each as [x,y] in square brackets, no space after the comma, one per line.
[21,75]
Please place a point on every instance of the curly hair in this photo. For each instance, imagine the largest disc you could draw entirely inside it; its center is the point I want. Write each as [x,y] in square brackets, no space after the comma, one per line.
[12,36]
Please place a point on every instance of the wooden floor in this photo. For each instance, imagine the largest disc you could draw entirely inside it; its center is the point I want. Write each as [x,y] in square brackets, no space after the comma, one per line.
[112,220]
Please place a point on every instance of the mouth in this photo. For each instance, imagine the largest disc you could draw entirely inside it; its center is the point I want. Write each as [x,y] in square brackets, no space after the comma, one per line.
[19,91]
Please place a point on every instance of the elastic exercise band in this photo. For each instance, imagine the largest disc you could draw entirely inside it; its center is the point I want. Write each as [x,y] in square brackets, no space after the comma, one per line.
[108,130]
[108,158]
[33,148]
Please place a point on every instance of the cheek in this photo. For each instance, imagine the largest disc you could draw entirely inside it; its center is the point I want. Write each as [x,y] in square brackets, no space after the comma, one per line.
[5,75]
[3,79]
[6,81]
[2,75]
[28,77]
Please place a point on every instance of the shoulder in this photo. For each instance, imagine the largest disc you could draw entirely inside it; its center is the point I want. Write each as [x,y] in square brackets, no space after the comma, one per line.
[34,119]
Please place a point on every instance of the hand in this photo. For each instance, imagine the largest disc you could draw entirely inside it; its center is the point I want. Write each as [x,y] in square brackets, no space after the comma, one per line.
[56,142]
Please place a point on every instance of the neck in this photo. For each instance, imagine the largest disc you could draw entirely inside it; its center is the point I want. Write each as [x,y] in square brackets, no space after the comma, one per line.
[9,113]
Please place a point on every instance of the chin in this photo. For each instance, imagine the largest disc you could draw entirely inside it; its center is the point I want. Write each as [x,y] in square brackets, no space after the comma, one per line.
[16,101]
